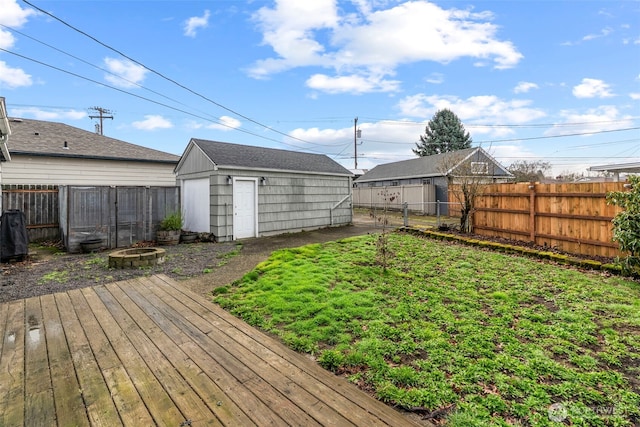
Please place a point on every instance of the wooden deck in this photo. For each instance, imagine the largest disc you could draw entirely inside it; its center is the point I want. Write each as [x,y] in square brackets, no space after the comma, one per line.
[147,352]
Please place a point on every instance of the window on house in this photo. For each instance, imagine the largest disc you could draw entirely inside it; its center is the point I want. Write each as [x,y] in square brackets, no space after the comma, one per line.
[426,181]
[479,168]
[395,183]
[372,184]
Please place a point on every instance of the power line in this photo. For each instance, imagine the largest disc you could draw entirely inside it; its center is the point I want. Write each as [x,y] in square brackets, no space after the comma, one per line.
[102,69]
[168,78]
[141,97]
[534,125]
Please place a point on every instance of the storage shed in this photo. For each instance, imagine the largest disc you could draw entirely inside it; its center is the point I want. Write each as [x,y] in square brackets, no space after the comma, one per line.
[239,191]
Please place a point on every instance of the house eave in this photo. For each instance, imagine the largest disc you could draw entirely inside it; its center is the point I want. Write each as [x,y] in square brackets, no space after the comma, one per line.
[309,172]
[392,178]
[85,157]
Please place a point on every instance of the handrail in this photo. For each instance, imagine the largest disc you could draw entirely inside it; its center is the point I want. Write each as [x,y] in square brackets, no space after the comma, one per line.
[336,206]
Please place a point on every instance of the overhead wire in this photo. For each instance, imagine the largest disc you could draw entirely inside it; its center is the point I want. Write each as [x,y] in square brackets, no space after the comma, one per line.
[132,94]
[159,74]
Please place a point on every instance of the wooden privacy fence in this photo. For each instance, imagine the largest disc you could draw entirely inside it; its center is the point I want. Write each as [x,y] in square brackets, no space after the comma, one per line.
[573,217]
[39,203]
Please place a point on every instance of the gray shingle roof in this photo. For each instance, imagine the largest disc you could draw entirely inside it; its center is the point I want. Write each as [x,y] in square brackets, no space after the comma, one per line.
[40,138]
[422,167]
[225,154]
[413,168]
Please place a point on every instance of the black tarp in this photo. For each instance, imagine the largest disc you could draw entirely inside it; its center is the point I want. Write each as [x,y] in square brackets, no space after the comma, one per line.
[14,240]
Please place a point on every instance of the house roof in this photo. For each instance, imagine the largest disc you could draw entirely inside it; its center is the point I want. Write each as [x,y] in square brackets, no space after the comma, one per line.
[224,154]
[428,166]
[49,139]
[618,167]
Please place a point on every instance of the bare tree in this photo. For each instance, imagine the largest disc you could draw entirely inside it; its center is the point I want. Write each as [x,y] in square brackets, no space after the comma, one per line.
[529,170]
[467,176]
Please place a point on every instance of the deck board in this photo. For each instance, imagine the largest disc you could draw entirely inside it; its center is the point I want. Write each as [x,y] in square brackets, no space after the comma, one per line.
[148,352]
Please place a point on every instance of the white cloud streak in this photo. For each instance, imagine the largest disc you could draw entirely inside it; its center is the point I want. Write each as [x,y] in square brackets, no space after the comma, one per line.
[194,23]
[152,122]
[13,77]
[592,88]
[524,87]
[128,74]
[40,114]
[227,124]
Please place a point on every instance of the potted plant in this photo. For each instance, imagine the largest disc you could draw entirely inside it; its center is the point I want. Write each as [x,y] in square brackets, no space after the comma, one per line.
[169,230]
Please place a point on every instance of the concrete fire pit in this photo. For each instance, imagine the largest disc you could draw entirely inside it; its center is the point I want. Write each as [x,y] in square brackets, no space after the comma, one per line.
[137,257]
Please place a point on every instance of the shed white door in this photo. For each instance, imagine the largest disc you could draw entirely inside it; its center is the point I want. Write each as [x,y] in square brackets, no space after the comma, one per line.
[245,208]
[196,205]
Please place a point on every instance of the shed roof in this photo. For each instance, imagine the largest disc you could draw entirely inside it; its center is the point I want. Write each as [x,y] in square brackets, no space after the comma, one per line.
[41,138]
[225,154]
[427,166]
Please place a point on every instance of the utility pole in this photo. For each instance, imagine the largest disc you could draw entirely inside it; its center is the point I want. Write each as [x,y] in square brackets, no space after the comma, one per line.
[357,133]
[103,113]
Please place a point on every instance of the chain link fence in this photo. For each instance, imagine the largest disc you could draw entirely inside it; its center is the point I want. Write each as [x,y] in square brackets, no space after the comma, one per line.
[409,215]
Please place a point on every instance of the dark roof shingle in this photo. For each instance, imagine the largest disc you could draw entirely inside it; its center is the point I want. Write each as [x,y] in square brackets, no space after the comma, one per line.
[246,156]
[41,138]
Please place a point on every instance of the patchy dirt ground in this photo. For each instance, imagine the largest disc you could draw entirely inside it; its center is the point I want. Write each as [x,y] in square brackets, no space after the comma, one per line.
[44,273]
[199,266]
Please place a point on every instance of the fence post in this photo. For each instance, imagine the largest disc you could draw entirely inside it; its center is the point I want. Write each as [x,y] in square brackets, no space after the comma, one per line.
[532,211]
[405,213]
[438,212]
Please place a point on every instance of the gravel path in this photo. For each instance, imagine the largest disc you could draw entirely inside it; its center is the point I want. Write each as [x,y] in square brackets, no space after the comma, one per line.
[199,266]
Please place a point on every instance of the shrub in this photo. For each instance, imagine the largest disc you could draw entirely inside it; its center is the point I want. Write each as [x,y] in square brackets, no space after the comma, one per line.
[626,224]
[172,222]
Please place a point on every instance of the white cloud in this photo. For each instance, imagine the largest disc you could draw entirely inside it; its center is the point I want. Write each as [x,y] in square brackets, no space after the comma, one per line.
[592,88]
[603,118]
[477,113]
[128,74]
[435,78]
[603,33]
[153,122]
[194,23]
[374,42]
[49,115]
[13,77]
[11,15]
[352,84]
[226,123]
[635,96]
[524,87]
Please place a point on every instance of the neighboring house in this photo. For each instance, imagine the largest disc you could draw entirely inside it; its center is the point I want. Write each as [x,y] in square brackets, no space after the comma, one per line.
[617,169]
[75,185]
[239,191]
[438,170]
[50,153]
[5,132]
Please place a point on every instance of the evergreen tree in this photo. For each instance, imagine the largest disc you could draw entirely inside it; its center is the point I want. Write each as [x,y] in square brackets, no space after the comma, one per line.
[445,132]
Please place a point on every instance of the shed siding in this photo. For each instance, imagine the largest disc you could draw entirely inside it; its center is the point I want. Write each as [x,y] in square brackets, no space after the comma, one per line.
[33,170]
[288,202]
[195,164]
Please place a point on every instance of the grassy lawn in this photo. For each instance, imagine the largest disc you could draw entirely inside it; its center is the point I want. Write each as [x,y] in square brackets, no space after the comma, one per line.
[468,336]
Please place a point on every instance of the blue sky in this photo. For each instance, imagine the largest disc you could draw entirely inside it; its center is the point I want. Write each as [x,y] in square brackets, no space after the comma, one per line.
[550,80]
